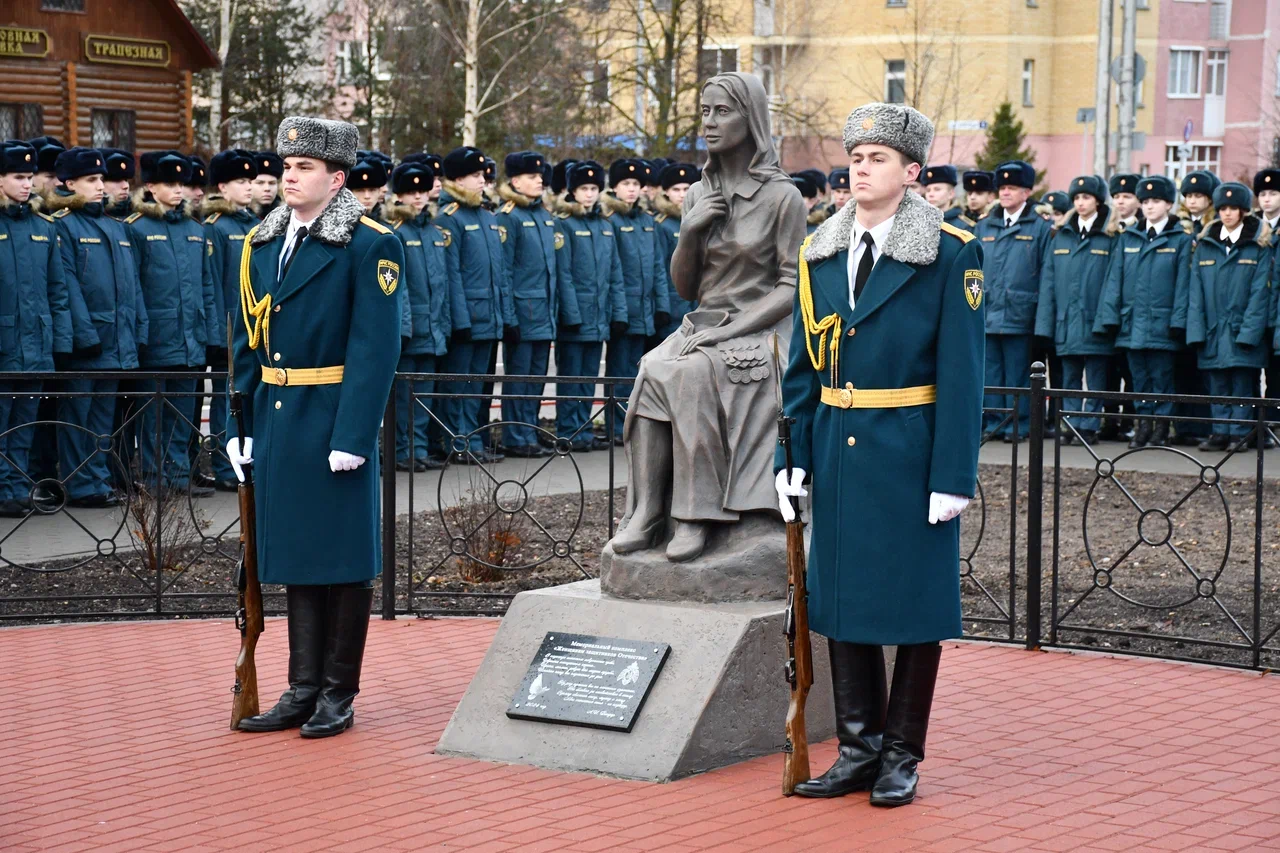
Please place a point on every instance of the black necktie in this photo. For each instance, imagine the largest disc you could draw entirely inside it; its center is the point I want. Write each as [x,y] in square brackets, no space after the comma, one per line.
[1151,234]
[293,250]
[864,265]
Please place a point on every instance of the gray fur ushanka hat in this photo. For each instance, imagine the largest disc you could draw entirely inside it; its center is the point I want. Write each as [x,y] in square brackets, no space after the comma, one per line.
[898,126]
[321,138]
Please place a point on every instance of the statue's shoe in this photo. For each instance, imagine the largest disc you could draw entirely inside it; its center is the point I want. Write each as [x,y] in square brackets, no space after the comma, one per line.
[688,542]
[636,536]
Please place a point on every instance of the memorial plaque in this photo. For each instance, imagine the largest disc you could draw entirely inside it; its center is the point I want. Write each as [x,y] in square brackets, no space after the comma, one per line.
[583,680]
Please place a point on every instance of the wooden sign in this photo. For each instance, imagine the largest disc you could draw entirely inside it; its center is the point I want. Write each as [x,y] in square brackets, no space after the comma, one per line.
[117,50]
[23,43]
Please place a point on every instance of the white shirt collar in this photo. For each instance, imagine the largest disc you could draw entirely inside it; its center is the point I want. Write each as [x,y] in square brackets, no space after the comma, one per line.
[1127,222]
[1086,223]
[1159,226]
[1234,234]
[1016,215]
[879,234]
[295,223]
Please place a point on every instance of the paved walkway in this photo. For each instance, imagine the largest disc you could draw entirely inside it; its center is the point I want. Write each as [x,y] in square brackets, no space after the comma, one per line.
[116,739]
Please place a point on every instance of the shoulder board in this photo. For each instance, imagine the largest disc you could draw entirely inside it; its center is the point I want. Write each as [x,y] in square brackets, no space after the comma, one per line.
[563,214]
[375,225]
[61,213]
[508,207]
[446,234]
[46,217]
[450,209]
[963,235]
[606,214]
[211,218]
[661,217]
[133,217]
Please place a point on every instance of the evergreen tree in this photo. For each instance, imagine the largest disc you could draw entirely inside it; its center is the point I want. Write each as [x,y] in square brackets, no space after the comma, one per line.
[1005,139]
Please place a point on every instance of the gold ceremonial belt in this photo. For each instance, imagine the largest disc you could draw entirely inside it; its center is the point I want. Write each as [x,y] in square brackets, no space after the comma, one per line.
[849,397]
[302,376]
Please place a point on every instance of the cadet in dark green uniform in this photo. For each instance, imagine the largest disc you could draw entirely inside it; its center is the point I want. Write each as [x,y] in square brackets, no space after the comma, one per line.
[1145,301]
[116,191]
[178,288]
[1075,271]
[979,194]
[1266,188]
[425,285]
[838,179]
[100,262]
[940,191]
[888,424]
[815,212]
[227,222]
[1055,207]
[35,319]
[669,202]
[538,284]
[1227,307]
[194,189]
[367,183]
[1195,213]
[316,345]
[266,187]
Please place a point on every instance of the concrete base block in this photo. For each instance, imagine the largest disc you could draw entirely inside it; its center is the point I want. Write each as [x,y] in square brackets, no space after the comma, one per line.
[721,697]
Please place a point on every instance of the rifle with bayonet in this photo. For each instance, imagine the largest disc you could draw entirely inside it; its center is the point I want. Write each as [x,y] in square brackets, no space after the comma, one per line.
[249,598]
[799,665]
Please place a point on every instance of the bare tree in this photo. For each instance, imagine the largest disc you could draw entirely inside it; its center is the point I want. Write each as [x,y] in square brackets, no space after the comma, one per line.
[226,17]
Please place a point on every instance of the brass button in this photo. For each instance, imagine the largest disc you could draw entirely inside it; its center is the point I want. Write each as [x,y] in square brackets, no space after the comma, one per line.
[852,440]
[277,309]
[277,356]
[851,331]
[279,404]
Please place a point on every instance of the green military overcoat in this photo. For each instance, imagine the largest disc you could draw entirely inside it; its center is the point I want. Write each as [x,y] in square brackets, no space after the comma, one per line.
[337,305]
[878,572]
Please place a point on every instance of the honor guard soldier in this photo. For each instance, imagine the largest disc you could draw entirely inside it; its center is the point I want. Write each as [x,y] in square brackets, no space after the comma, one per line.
[100,263]
[1013,240]
[233,174]
[979,195]
[595,310]
[887,424]
[35,315]
[669,202]
[1145,301]
[644,277]
[178,290]
[367,182]
[1196,212]
[46,181]
[116,191]
[194,190]
[1125,211]
[478,265]
[940,191]
[538,283]
[816,214]
[266,187]
[430,297]
[1266,189]
[1071,283]
[840,195]
[316,345]
[1054,208]
[558,185]
[1227,308]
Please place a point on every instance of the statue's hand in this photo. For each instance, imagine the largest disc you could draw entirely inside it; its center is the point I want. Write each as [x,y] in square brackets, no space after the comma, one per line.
[705,211]
[705,338]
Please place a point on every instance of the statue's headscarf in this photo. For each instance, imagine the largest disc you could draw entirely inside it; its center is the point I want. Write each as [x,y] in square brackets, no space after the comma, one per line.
[747,93]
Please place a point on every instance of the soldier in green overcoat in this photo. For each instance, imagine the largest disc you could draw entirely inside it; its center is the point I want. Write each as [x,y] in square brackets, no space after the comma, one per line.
[317,339]
[884,382]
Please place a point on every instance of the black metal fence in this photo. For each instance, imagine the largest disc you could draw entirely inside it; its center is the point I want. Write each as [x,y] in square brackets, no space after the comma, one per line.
[1159,551]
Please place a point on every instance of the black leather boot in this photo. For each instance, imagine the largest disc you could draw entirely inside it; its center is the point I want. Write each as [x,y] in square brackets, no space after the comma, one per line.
[305,606]
[346,627]
[857,685]
[914,674]
[1141,434]
[1159,435]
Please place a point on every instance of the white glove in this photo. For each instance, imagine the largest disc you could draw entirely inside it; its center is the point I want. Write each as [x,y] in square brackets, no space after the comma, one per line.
[943,508]
[339,461]
[239,456]
[786,491]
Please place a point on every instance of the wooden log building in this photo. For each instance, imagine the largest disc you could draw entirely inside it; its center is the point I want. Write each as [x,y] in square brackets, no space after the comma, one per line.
[113,73]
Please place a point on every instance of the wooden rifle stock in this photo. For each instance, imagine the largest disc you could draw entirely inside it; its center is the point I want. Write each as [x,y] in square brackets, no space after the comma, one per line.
[249,601]
[799,666]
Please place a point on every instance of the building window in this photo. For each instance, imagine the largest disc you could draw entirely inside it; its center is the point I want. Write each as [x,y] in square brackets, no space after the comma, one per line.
[717,60]
[21,121]
[597,78]
[895,81]
[1184,73]
[113,129]
[1203,157]
[900,4]
[1216,84]
[61,5]
[1278,74]
[1028,81]
[1219,20]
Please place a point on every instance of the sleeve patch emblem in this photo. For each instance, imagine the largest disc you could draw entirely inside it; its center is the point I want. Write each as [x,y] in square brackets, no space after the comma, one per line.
[388,276]
[559,240]
[973,288]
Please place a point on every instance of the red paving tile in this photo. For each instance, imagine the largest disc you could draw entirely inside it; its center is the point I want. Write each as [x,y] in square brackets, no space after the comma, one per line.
[119,741]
